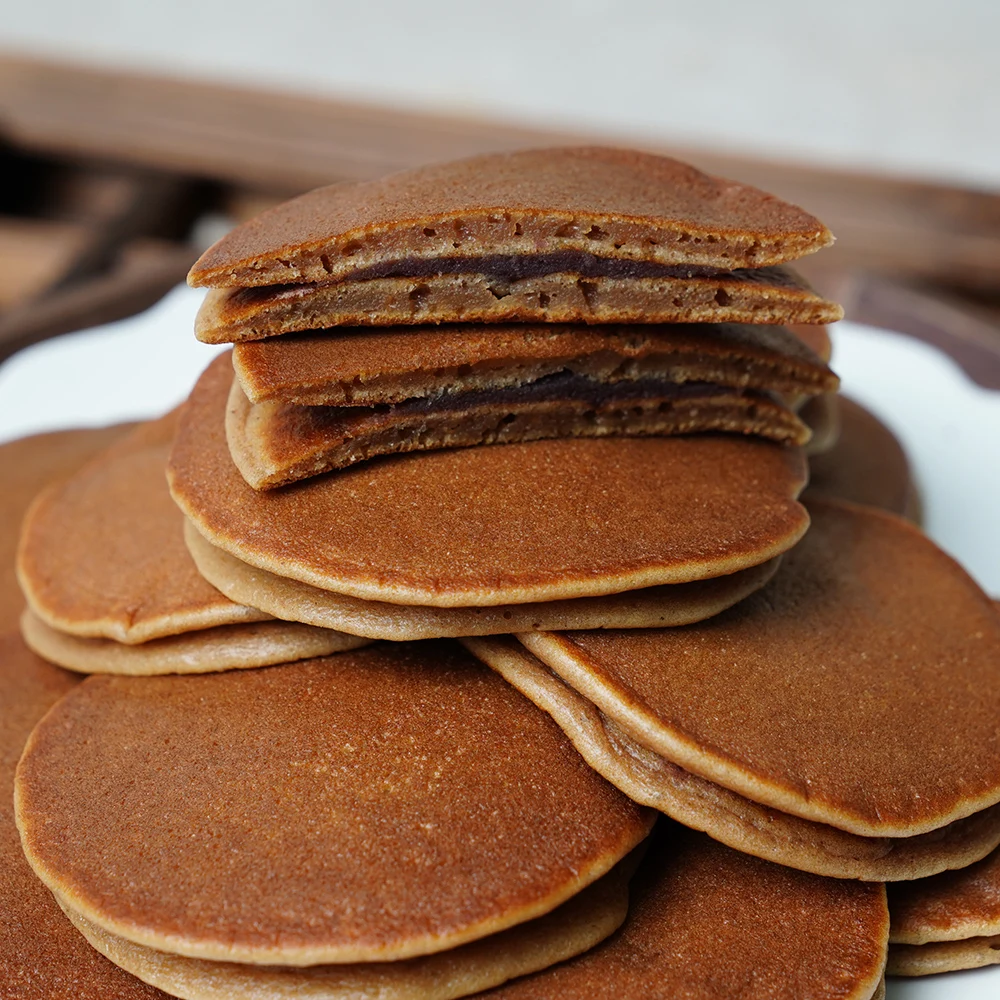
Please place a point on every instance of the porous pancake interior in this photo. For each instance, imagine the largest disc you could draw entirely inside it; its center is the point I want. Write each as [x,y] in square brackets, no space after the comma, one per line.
[948,907]
[705,921]
[372,806]
[498,525]
[670,605]
[605,202]
[103,555]
[359,367]
[41,955]
[801,697]
[724,815]
[26,467]
[576,925]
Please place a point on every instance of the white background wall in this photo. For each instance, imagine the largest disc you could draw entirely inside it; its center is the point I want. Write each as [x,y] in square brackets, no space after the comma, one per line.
[904,85]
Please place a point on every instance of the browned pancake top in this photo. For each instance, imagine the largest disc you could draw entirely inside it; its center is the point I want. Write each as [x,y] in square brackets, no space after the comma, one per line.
[867,464]
[274,367]
[27,466]
[370,805]
[609,202]
[859,688]
[103,553]
[952,905]
[497,525]
[42,956]
[709,923]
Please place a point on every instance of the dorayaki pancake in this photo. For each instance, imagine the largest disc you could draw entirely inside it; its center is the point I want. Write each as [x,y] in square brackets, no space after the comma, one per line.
[368,367]
[858,690]
[26,467]
[943,956]
[506,524]
[598,202]
[42,957]
[576,925]
[104,566]
[224,647]
[866,465]
[725,815]
[816,337]
[821,415]
[372,806]
[651,607]
[614,292]
[274,444]
[708,923]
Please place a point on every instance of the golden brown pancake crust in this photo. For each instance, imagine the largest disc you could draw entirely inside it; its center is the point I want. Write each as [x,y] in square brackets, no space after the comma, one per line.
[608,202]
[943,956]
[858,689]
[705,921]
[765,295]
[103,555]
[576,925]
[724,815]
[28,465]
[364,367]
[380,804]
[866,465]
[673,604]
[42,956]
[497,525]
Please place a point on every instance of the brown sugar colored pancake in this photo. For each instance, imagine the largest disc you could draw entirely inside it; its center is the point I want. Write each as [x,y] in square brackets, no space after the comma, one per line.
[274,444]
[573,927]
[373,806]
[112,588]
[42,956]
[650,293]
[800,698]
[368,367]
[652,607]
[600,202]
[28,465]
[508,524]
[866,465]
[709,923]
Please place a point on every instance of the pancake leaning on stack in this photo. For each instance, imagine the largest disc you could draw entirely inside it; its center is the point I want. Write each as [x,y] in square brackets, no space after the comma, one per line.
[391,822]
[111,588]
[841,721]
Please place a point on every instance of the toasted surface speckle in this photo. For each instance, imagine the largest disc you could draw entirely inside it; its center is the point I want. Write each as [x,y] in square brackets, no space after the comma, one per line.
[375,805]
[506,524]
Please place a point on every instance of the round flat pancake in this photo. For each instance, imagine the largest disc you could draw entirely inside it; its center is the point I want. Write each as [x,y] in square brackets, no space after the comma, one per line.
[652,607]
[372,806]
[709,923]
[608,202]
[724,815]
[578,924]
[943,956]
[42,956]
[103,555]
[26,467]
[508,524]
[225,647]
[865,465]
[858,689]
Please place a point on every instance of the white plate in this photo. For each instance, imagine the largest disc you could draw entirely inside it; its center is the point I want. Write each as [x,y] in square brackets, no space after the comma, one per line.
[950,427]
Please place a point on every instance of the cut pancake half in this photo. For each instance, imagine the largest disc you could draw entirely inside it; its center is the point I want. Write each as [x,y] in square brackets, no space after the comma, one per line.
[397,801]
[652,607]
[771,295]
[602,203]
[506,524]
[573,927]
[799,698]
[709,923]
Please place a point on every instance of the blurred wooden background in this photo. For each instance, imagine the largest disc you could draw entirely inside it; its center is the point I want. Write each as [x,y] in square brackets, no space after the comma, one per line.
[115,183]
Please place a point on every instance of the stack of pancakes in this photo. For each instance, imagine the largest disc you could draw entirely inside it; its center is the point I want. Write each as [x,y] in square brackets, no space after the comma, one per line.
[554,405]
